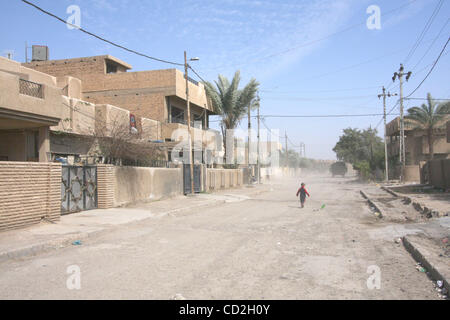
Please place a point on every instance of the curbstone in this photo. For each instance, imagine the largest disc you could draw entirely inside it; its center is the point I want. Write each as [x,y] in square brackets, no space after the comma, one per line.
[419,257]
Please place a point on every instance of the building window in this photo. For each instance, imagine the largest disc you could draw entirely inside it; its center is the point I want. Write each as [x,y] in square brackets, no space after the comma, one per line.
[177,115]
[198,121]
[111,68]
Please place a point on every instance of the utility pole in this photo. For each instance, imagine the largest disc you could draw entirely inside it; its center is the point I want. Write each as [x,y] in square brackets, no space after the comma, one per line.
[400,75]
[191,162]
[257,148]
[287,154]
[249,141]
[384,95]
[26,52]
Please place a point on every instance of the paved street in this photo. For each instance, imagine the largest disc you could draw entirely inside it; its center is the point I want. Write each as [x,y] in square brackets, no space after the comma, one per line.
[255,247]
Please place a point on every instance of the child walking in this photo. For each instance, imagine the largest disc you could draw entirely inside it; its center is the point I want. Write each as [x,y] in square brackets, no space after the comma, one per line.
[302,191]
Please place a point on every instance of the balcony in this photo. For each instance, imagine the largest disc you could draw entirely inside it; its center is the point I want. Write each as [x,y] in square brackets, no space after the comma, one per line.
[27,103]
[31,89]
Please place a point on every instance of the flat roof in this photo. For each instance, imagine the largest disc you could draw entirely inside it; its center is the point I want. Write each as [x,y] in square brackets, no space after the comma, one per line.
[103,57]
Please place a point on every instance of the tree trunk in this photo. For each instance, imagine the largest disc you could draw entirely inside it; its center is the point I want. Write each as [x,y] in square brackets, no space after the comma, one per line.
[431,152]
[430,143]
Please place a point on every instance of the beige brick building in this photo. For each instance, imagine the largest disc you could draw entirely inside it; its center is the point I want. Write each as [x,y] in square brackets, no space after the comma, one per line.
[417,149]
[159,95]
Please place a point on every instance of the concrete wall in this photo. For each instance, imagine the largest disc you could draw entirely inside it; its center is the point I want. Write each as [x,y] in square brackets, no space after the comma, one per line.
[217,179]
[412,173]
[28,193]
[140,184]
[440,173]
[13,146]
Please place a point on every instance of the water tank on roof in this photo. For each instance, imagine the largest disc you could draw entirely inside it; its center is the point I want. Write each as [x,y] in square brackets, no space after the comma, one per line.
[40,53]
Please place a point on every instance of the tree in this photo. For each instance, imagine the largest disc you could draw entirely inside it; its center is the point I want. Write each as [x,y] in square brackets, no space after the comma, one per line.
[118,144]
[363,149]
[428,117]
[230,102]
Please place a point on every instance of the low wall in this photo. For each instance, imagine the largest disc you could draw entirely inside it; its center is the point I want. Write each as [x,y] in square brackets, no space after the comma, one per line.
[217,179]
[440,173]
[29,192]
[133,184]
[412,173]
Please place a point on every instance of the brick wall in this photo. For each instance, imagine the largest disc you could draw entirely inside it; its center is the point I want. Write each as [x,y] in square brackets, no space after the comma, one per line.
[105,186]
[29,191]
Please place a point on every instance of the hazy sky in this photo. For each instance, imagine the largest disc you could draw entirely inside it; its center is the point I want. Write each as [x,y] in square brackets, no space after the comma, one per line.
[314,57]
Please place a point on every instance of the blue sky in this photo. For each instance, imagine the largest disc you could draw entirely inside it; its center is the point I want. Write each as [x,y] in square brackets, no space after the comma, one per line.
[272,41]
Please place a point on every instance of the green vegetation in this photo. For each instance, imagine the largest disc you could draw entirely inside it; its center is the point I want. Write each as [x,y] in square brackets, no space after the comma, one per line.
[428,117]
[363,149]
[230,102]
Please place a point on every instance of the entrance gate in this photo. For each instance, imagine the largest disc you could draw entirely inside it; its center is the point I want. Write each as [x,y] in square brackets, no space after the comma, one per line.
[187,178]
[78,189]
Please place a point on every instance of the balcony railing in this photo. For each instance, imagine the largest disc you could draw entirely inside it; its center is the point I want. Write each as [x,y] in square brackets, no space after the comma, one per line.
[192,80]
[31,89]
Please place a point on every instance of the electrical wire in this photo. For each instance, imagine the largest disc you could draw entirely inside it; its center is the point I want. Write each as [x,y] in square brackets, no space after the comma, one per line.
[99,37]
[424,31]
[309,43]
[431,70]
[431,45]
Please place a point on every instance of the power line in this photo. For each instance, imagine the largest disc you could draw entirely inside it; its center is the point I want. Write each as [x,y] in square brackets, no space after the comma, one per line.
[424,31]
[431,70]
[318,91]
[431,45]
[323,115]
[318,99]
[305,44]
[100,38]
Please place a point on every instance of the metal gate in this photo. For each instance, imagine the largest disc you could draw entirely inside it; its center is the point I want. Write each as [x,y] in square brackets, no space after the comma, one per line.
[78,189]
[187,178]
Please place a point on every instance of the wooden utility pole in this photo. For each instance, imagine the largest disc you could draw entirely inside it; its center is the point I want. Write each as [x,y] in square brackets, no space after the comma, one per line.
[191,162]
[287,154]
[400,75]
[258,167]
[384,95]
[248,143]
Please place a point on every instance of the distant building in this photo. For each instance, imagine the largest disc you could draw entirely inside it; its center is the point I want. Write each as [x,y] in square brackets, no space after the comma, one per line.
[417,150]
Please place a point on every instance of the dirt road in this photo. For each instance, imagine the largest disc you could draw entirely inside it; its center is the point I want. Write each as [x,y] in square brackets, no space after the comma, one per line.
[260,247]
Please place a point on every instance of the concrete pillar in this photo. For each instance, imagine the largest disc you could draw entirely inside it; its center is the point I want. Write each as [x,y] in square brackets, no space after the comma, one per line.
[44,144]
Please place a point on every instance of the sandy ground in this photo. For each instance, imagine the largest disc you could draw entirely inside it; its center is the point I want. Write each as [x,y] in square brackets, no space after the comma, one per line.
[259,247]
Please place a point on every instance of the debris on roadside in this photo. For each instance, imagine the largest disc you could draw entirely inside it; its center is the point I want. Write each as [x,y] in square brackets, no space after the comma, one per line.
[398,240]
[420,268]
[77,243]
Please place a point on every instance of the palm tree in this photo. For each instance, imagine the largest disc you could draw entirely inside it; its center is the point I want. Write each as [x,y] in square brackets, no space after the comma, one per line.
[428,117]
[230,102]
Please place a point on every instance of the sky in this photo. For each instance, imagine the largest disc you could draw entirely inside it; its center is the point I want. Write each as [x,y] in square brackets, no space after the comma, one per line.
[311,57]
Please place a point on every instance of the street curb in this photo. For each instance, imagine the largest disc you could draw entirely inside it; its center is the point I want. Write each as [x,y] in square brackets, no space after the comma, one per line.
[377,209]
[419,257]
[423,210]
